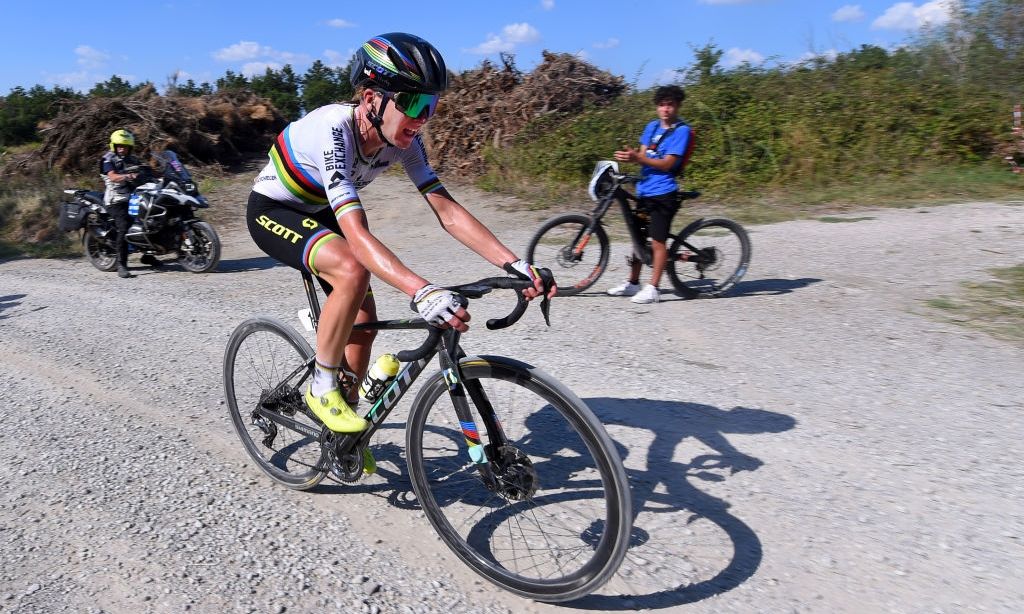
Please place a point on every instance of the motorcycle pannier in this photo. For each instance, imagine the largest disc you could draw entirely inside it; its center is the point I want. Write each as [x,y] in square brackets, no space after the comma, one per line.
[72,216]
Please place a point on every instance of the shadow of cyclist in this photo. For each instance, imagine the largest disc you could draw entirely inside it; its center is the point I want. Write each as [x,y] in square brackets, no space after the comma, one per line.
[752,287]
[686,545]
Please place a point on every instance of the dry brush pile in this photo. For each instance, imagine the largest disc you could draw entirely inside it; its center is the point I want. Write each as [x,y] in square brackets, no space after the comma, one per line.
[491,104]
[214,129]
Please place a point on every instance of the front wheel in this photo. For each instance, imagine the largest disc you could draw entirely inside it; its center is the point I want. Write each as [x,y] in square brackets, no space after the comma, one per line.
[200,250]
[542,508]
[564,244]
[265,365]
[101,253]
[708,258]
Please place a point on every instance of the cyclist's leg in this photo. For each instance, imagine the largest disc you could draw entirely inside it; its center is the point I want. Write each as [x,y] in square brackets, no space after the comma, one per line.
[313,242]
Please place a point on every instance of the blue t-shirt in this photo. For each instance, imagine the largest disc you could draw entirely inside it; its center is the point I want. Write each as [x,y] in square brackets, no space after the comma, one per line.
[679,143]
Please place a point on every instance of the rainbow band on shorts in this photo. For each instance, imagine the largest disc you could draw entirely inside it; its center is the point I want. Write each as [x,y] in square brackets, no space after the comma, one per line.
[313,246]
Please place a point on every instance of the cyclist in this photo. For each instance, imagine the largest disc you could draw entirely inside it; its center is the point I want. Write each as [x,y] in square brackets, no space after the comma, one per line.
[665,147]
[305,211]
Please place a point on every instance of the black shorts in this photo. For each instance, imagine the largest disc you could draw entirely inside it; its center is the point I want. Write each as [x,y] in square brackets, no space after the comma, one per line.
[662,208]
[290,236]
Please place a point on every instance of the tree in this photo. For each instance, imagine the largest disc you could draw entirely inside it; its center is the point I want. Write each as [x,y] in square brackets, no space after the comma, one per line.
[323,85]
[22,110]
[232,81]
[115,87]
[281,88]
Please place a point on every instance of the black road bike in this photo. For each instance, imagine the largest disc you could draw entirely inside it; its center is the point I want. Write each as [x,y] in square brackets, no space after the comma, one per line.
[541,509]
[705,259]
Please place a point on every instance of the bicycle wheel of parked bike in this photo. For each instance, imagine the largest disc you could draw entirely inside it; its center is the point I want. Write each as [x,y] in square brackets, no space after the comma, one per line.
[564,245]
[708,258]
[263,363]
[555,525]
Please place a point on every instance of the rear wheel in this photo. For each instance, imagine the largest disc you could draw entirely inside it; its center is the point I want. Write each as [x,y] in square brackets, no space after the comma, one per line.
[553,524]
[101,253]
[709,259]
[265,365]
[200,252]
[565,245]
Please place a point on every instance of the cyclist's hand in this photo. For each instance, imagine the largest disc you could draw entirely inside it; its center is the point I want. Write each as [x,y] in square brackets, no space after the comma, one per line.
[627,155]
[441,308]
[543,280]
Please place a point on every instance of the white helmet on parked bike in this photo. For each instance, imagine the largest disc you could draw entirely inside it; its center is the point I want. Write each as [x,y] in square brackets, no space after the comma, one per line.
[601,180]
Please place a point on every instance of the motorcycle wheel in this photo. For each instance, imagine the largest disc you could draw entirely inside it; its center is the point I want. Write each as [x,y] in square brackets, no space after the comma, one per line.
[101,254]
[204,254]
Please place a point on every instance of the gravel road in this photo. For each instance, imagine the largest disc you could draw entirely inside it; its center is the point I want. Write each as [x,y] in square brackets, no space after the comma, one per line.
[818,441]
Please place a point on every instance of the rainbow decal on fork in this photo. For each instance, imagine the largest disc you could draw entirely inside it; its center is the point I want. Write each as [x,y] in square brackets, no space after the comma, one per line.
[476,451]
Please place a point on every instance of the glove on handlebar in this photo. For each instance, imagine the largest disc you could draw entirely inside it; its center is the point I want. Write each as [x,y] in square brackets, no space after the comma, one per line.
[525,269]
[436,305]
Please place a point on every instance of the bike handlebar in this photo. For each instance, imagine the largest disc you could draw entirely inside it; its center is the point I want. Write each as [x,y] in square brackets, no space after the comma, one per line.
[474,290]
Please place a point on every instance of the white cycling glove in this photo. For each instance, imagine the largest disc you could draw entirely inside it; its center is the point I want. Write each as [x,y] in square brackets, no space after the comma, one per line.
[436,305]
[527,270]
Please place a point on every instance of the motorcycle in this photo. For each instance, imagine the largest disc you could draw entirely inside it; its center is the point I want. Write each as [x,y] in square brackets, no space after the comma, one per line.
[164,220]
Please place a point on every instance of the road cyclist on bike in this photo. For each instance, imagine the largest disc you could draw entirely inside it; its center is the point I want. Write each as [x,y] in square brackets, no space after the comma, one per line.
[665,147]
[305,211]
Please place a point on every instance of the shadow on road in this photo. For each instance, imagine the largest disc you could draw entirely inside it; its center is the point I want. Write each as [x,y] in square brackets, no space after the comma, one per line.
[686,544]
[753,287]
[9,301]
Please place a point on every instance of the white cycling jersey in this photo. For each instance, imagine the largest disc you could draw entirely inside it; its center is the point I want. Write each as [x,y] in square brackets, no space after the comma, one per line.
[316,161]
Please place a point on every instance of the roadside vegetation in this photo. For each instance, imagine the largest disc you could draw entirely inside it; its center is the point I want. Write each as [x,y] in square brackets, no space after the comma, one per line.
[995,307]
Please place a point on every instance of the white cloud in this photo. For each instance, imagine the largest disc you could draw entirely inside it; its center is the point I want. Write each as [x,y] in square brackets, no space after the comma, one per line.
[735,57]
[255,69]
[611,43]
[668,76]
[511,36]
[259,54]
[907,16]
[245,50]
[340,23]
[547,5]
[336,59]
[89,57]
[850,12]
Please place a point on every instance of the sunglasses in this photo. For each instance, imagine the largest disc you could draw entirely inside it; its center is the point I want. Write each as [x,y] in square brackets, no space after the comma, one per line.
[415,105]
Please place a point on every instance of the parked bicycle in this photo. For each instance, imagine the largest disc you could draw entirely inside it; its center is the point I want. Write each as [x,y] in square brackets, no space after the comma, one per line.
[705,259]
[540,509]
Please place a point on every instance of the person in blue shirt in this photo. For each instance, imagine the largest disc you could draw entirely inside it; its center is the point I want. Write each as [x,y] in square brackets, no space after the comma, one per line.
[665,147]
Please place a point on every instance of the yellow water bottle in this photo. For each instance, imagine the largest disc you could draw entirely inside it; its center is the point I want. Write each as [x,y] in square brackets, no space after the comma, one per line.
[379,377]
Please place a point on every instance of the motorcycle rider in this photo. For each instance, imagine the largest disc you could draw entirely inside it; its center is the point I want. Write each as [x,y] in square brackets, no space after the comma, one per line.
[305,210]
[117,168]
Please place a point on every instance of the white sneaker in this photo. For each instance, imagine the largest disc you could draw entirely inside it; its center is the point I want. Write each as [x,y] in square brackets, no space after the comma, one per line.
[626,289]
[649,294]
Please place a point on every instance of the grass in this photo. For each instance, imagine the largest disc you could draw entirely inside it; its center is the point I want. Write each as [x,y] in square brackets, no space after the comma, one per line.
[917,188]
[995,307]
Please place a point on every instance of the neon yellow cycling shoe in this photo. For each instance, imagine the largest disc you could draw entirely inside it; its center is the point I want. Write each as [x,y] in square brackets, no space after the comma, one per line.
[332,409]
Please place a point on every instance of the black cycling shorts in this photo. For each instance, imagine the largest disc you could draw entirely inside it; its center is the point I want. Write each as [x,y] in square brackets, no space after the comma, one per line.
[290,236]
[662,208]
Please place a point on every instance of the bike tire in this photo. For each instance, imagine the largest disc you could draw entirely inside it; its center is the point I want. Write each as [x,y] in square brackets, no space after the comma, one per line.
[555,245]
[260,353]
[561,542]
[724,256]
[205,254]
[101,254]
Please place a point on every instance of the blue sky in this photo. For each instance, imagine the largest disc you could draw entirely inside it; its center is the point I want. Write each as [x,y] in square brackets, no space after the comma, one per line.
[77,44]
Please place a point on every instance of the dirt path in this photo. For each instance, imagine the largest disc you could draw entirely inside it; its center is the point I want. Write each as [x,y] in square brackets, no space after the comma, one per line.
[817,441]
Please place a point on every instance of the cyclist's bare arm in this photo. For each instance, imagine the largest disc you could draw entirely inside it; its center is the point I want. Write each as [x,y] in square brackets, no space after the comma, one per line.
[376,256]
[461,224]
